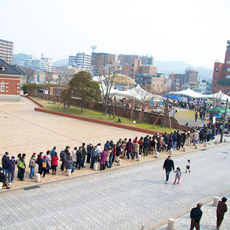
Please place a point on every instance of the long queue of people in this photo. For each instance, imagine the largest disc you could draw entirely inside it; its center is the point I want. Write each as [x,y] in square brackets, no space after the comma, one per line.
[105,156]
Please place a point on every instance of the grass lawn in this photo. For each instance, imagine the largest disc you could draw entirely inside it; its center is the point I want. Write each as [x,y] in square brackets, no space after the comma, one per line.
[98,115]
[187,114]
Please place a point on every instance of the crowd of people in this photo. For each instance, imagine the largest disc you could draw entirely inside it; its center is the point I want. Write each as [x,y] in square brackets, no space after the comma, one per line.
[104,155]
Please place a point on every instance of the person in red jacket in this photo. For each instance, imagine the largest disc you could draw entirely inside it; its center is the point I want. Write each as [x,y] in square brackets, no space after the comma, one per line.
[54,163]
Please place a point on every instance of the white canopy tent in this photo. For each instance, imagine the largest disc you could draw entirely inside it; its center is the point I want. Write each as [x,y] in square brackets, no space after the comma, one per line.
[137,93]
[188,93]
[218,96]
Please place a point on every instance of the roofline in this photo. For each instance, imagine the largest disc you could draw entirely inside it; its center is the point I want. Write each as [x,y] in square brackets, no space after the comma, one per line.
[11,75]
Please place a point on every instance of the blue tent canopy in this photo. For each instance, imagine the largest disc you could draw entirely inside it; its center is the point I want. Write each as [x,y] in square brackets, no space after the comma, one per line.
[177,97]
[167,96]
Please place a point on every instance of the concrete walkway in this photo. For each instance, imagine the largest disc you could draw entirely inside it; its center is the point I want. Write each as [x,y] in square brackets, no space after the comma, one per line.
[119,199]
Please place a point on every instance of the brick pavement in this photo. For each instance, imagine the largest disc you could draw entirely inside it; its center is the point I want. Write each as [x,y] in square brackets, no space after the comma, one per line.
[118,199]
[208,220]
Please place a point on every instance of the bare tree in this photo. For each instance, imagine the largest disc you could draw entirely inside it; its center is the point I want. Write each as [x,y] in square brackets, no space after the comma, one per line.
[106,70]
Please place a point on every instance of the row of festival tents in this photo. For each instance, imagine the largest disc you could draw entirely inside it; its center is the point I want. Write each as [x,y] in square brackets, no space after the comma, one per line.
[136,93]
[192,94]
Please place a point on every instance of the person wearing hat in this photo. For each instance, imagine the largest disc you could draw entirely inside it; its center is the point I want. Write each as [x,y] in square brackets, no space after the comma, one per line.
[5,160]
[22,166]
[89,148]
[11,169]
[3,178]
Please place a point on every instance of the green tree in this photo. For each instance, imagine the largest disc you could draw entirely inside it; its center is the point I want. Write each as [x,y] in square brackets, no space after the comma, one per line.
[66,96]
[83,87]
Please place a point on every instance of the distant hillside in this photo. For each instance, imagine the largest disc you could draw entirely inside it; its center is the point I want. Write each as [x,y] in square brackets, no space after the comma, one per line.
[179,67]
[18,59]
[62,62]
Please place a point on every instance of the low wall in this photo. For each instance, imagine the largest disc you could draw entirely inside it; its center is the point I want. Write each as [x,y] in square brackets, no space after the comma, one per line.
[148,117]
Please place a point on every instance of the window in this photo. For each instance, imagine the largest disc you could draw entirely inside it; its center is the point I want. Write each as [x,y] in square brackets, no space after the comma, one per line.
[227,76]
[145,68]
[131,70]
[153,85]
[2,87]
[216,70]
[228,62]
[224,90]
[132,65]
[140,69]
[228,69]
[228,91]
[214,84]
[157,85]
[215,77]
[131,75]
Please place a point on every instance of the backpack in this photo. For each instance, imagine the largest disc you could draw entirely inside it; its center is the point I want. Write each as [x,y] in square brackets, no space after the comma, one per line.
[44,164]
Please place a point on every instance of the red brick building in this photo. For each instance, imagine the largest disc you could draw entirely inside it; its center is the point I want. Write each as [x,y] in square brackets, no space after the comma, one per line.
[9,82]
[221,74]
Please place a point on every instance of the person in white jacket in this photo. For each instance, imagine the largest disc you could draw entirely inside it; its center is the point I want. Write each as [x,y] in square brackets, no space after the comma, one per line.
[74,155]
[196,137]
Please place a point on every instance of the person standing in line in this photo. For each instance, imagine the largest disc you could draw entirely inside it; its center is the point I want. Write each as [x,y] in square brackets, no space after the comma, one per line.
[54,163]
[44,165]
[5,161]
[63,158]
[74,156]
[39,158]
[93,155]
[22,166]
[188,165]
[32,165]
[196,137]
[195,216]
[89,148]
[83,155]
[141,143]
[129,146]
[146,146]
[107,157]
[18,159]
[220,211]
[174,140]
[103,158]
[48,159]
[3,178]
[79,158]
[11,169]
[52,152]
[168,166]
[177,176]
[135,148]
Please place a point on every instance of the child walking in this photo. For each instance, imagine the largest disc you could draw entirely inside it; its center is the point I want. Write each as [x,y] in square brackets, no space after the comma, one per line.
[177,176]
[188,166]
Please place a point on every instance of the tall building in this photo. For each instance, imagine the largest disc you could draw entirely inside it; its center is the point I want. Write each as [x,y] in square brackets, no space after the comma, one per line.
[6,51]
[83,61]
[221,74]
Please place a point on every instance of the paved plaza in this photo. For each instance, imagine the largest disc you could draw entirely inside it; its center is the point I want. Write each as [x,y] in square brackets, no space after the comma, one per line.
[122,198]
[118,199]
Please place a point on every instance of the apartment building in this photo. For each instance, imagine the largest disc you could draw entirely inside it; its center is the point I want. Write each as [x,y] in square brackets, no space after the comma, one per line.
[6,51]
[221,74]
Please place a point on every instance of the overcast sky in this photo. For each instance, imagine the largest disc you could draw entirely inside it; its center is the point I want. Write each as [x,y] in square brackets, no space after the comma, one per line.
[195,32]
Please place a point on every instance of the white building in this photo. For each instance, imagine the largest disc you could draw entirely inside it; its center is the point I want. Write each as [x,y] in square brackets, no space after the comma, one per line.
[83,61]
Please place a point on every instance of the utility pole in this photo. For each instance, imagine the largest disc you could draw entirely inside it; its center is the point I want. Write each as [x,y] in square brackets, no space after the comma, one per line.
[225,114]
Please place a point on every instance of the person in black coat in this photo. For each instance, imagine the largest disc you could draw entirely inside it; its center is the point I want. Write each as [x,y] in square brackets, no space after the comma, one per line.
[3,178]
[195,216]
[89,148]
[168,166]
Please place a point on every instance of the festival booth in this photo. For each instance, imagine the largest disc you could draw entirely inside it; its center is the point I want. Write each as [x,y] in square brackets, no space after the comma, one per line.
[220,96]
